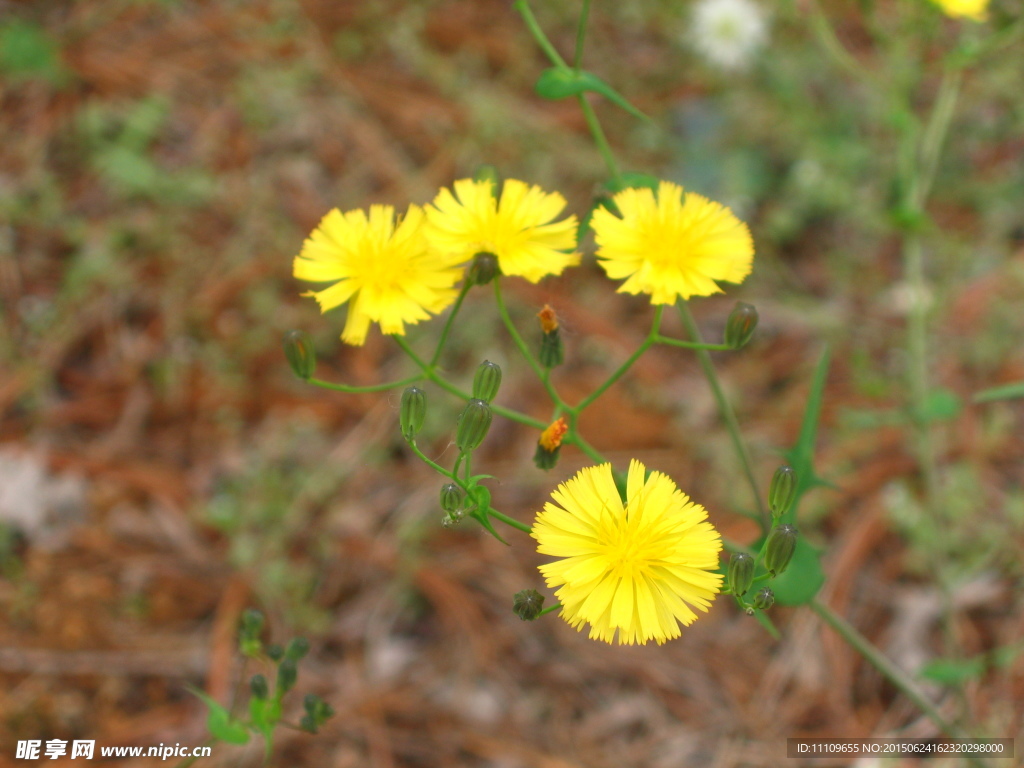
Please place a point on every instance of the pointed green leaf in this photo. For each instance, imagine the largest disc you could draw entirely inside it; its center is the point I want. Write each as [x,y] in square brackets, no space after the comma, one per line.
[1005,392]
[766,622]
[954,671]
[561,83]
[219,722]
[632,180]
[803,577]
[801,455]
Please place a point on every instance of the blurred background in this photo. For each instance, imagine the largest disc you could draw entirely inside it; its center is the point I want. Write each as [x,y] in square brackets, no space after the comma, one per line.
[161,469]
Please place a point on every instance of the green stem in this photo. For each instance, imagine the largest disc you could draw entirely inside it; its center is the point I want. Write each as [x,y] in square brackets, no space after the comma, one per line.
[524,349]
[621,370]
[692,344]
[466,285]
[581,36]
[538,34]
[573,437]
[726,411]
[549,609]
[510,521]
[890,671]
[599,139]
[830,42]
[429,373]
[360,390]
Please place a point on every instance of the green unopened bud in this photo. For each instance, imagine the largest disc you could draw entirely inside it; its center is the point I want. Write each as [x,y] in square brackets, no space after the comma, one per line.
[486,380]
[488,173]
[275,652]
[251,625]
[551,353]
[474,421]
[412,411]
[452,498]
[297,649]
[741,324]
[308,724]
[287,674]
[779,548]
[318,712]
[298,348]
[741,573]
[527,604]
[782,491]
[258,686]
[764,599]
[483,269]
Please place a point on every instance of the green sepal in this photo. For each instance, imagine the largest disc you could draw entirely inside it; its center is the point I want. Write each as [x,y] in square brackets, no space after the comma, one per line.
[219,722]
[561,83]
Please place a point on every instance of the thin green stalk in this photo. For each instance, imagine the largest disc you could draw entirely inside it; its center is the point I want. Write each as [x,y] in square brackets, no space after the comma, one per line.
[509,521]
[726,411]
[549,609]
[599,139]
[692,344]
[431,374]
[573,437]
[890,671]
[538,34]
[621,370]
[581,36]
[525,349]
[359,390]
[830,42]
[466,285]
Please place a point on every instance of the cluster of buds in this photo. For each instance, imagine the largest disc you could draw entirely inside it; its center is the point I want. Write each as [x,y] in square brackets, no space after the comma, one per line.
[776,553]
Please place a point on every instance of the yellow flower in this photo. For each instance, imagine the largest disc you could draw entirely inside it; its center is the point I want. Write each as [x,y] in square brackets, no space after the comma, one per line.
[638,568]
[971,9]
[670,247]
[519,229]
[390,273]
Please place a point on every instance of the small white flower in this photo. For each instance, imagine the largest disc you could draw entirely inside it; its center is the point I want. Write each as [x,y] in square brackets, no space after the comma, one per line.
[728,32]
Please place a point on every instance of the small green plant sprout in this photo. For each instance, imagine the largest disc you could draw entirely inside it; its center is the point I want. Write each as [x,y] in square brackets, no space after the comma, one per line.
[264,712]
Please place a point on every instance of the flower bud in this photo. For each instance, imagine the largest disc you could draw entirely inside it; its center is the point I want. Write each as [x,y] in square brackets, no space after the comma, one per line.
[740,325]
[258,686]
[764,599]
[779,548]
[249,633]
[486,380]
[474,421]
[298,348]
[287,674]
[550,443]
[527,604]
[551,353]
[412,411]
[741,573]
[297,648]
[483,269]
[452,498]
[452,519]
[275,652]
[782,491]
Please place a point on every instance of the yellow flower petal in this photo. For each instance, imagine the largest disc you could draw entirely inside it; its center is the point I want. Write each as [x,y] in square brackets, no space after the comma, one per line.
[633,571]
[970,9]
[671,246]
[388,274]
[519,228]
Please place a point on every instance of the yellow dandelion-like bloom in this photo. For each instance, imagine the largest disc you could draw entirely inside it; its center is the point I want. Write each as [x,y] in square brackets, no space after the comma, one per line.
[971,9]
[390,273]
[670,246]
[637,568]
[519,228]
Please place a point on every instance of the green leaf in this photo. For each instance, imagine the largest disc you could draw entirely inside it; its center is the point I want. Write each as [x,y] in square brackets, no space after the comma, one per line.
[561,83]
[941,405]
[27,50]
[954,671]
[801,455]
[219,722]
[1005,392]
[802,579]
